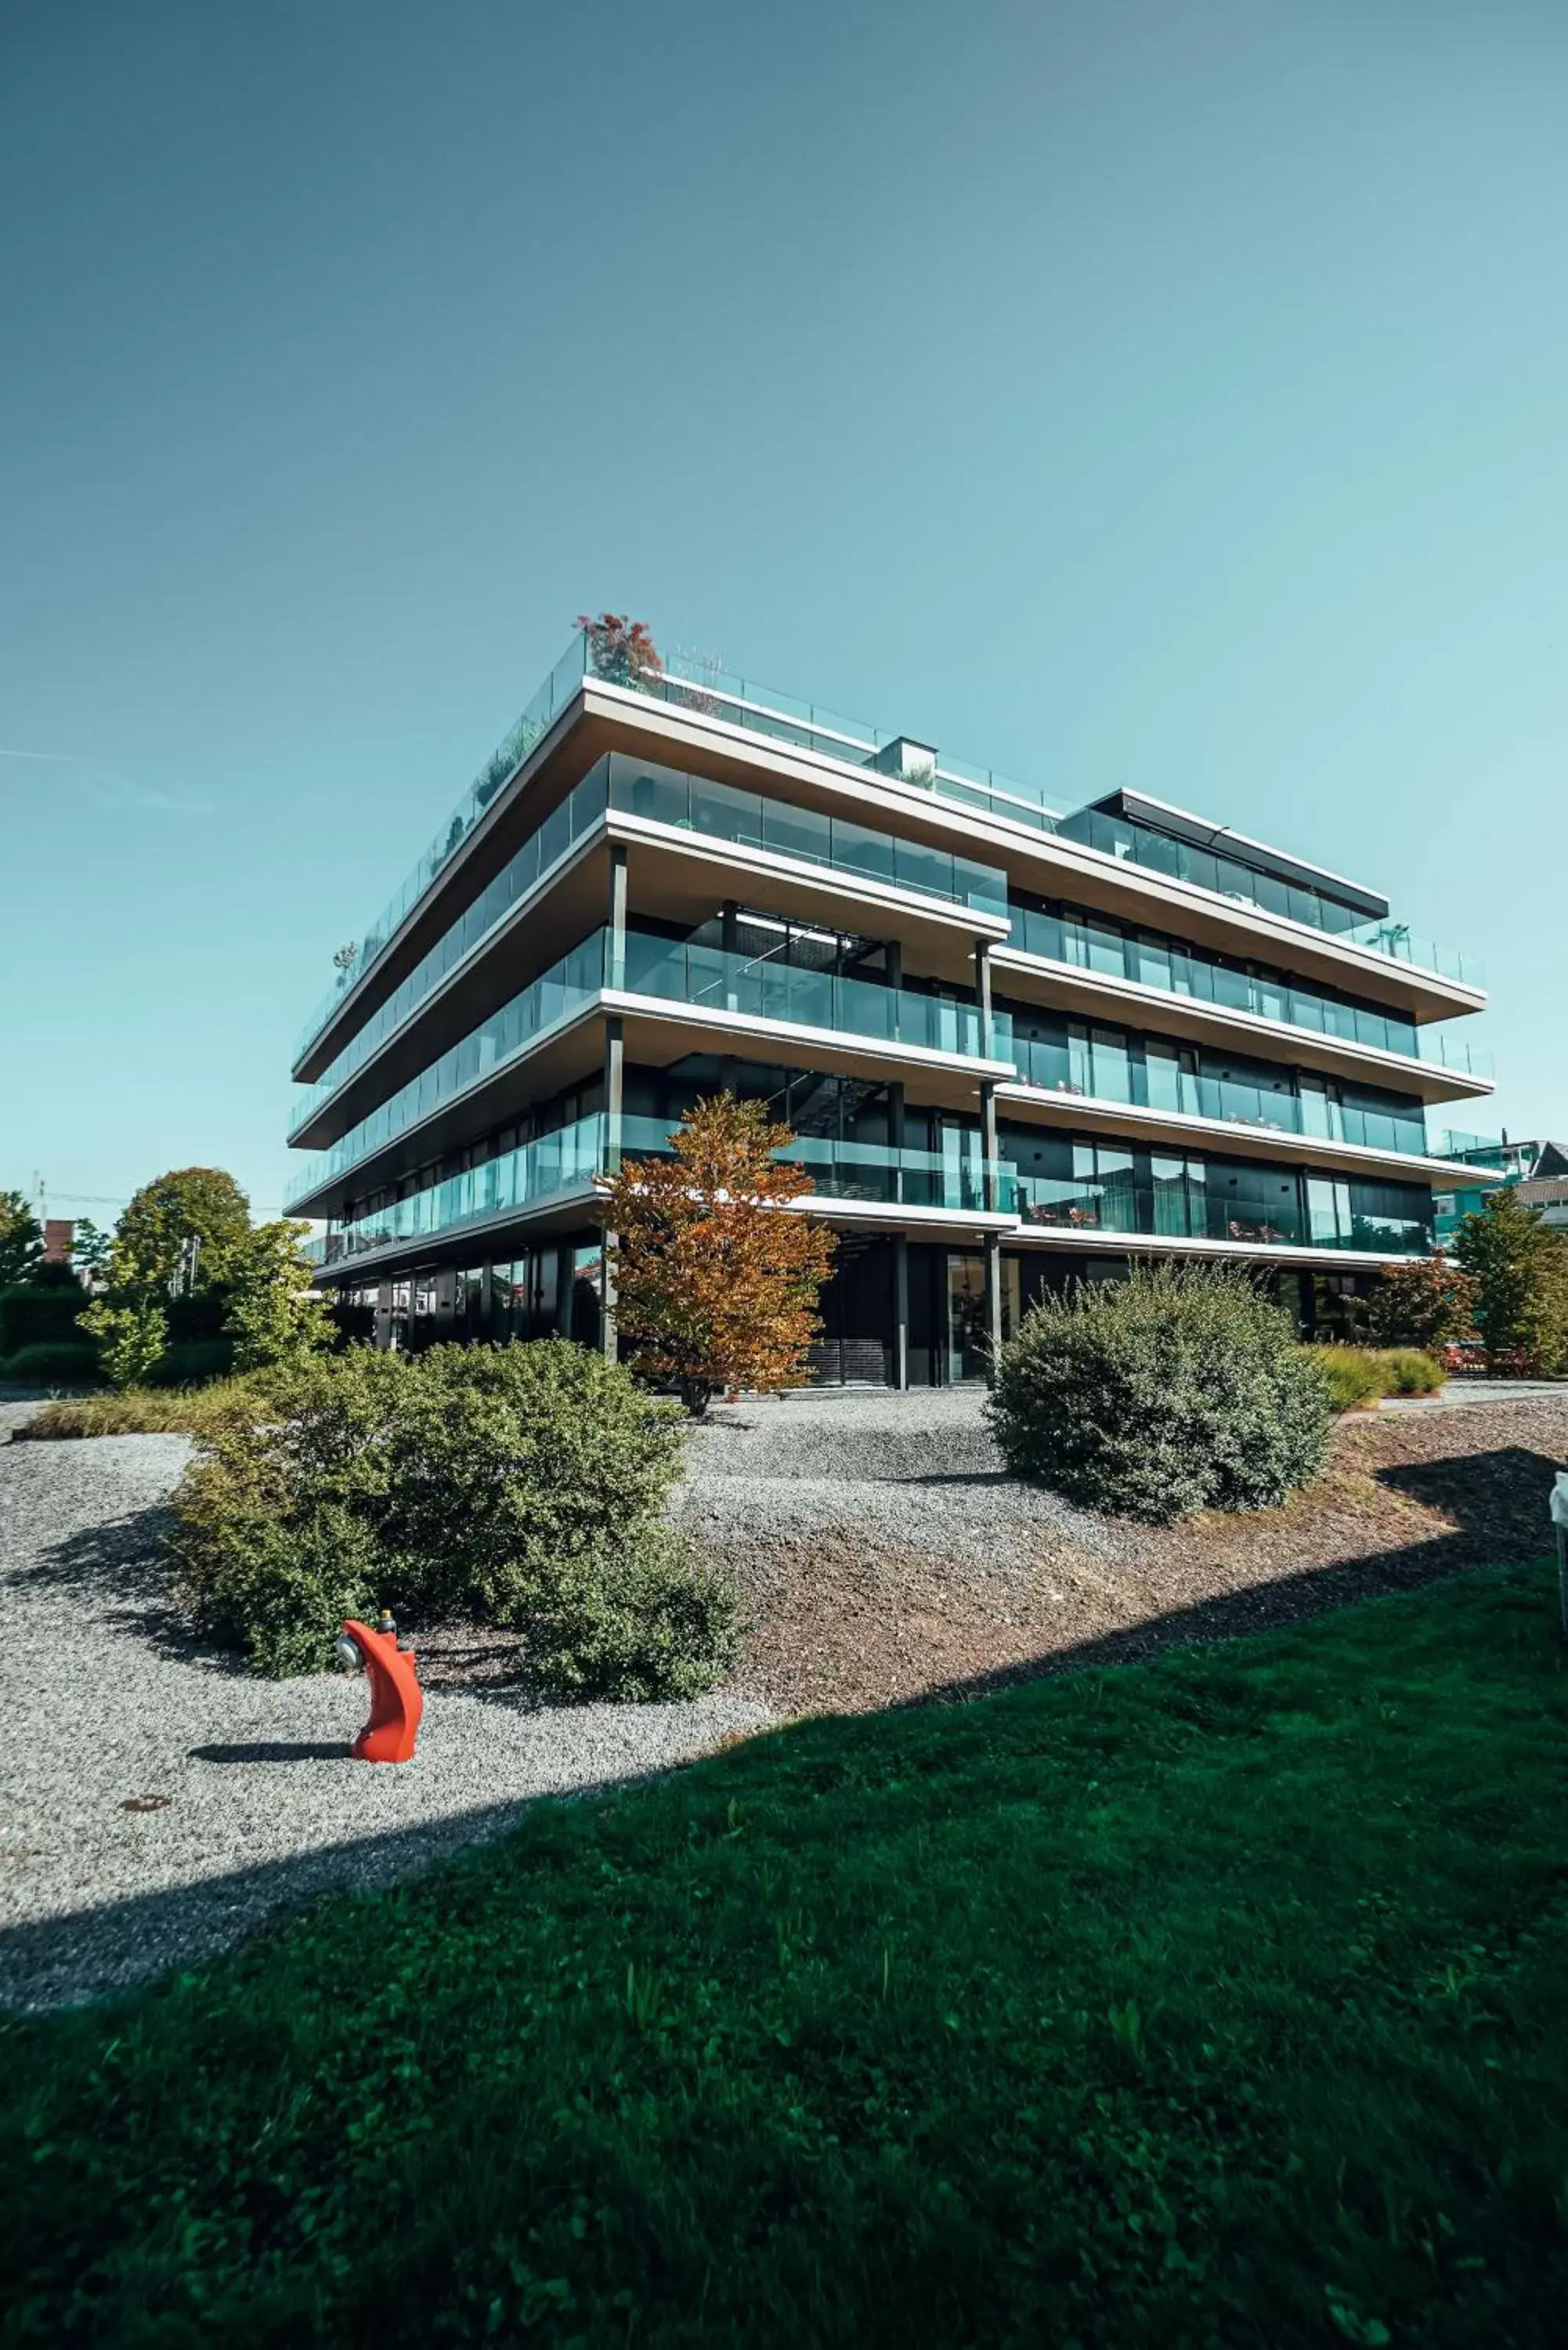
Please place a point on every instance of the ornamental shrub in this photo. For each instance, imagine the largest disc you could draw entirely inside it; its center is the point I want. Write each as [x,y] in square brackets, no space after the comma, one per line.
[662,1624]
[1179,1388]
[1354,1375]
[1409,1370]
[523,1486]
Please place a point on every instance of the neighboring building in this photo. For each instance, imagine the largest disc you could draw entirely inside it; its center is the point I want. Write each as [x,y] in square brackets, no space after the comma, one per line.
[1539,1170]
[1017,1045]
[60,1231]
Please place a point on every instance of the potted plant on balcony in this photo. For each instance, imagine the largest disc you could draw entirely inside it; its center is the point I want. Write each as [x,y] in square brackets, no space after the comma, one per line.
[621,650]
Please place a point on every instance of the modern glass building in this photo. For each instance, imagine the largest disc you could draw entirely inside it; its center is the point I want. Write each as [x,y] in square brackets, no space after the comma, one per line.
[1018,1044]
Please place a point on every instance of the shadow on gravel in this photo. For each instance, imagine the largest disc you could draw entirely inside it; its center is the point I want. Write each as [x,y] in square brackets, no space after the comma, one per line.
[276,1750]
[1497,1501]
[93,1952]
[123,1566]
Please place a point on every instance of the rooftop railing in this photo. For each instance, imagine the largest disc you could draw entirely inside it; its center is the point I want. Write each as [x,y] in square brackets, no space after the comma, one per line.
[706,688]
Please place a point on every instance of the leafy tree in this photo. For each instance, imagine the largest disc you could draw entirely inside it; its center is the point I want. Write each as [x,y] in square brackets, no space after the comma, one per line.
[21,1239]
[1429,1301]
[199,1205]
[273,1314]
[90,1250]
[132,1331]
[716,1287]
[1519,1267]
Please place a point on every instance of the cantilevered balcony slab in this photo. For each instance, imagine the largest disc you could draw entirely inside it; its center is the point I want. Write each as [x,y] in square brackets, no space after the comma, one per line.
[1104,995]
[1180,1130]
[1091,1241]
[657,1031]
[1043,861]
[673,876]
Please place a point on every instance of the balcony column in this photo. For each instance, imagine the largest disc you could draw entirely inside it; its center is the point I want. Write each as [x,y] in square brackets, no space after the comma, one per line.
[993,1304]
[615,1071]
[566,1288]
[730,944]
[896,1137]
[901,1311]
[988,1146]
[614,943]
[983,992]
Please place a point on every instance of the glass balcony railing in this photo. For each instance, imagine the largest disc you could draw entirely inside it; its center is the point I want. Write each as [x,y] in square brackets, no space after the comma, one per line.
[1178,969]
[749,819]
[556,1165]
[536,722]
[707,689]
[562,831]
[553,997]
[688,804]
[759,987]
[1163,1084]
[762,987]
[1178,1205]
[1210,868]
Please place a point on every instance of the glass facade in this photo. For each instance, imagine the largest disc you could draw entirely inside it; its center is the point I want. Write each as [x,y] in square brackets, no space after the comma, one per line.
[1104,1063]
[1096,943]
[1231,876]
[762,986]
[1083,1185]
[687,804]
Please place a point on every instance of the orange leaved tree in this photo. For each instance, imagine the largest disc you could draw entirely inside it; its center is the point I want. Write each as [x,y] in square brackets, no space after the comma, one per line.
[715,1285]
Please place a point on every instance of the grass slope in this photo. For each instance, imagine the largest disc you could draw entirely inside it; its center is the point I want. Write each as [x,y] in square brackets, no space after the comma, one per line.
[1216,2002]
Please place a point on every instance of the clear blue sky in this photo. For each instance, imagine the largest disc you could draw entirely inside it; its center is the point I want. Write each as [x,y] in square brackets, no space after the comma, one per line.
[1170,394]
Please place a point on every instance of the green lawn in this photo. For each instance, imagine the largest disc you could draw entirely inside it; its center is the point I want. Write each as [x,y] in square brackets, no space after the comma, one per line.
[1223,2000]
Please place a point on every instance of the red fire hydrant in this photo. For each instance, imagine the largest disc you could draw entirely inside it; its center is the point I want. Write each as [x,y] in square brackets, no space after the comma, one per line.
[397,1700]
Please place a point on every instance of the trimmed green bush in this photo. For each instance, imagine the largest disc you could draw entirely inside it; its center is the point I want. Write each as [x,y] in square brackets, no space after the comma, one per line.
[34,1316]
[53,1364]
[662,1624]
[521,1486]
[1353,1375]
[1179,1388]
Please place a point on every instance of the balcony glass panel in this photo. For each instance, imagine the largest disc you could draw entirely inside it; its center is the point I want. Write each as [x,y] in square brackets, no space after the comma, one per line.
[767,988]
[530,728]
[561,832]
[569,1161]
[554,996]
[750,819]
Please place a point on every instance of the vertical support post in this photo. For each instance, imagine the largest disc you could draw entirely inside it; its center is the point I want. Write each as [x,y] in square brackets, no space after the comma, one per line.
[901,1311]
[993,1304]
[730,943]
[615,957]
[896,1135]
[384,1314]
[487,1300]
[983,992]
[615,1075]
[988,1146]
[566,1288]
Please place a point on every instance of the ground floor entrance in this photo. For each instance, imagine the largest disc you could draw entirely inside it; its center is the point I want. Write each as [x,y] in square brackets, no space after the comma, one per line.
[895,1311]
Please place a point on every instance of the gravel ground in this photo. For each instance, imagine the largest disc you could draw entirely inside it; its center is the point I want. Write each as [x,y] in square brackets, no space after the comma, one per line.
[915,1471]
[256,1801]
[885,1558]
